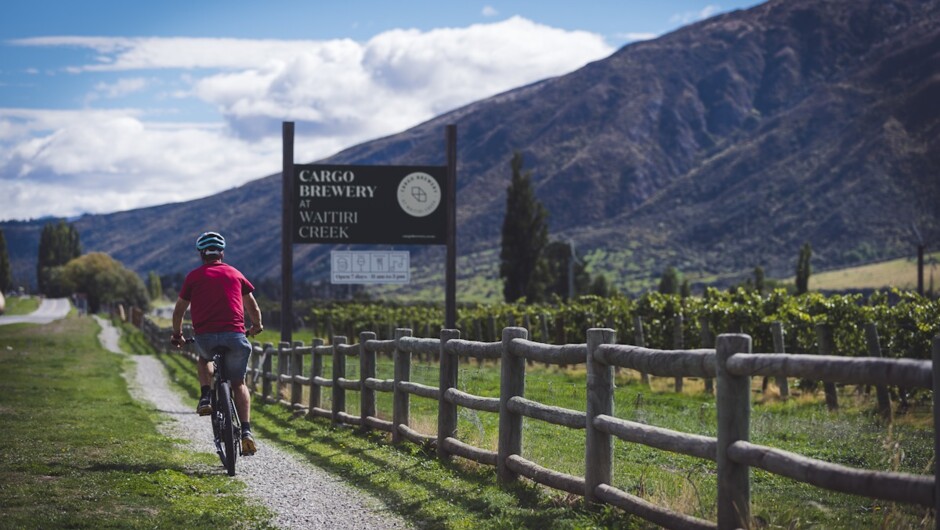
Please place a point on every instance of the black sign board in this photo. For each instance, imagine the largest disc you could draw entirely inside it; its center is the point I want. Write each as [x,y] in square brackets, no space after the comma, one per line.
[389,205]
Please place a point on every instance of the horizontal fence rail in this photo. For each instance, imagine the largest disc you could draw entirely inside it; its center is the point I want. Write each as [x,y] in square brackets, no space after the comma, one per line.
[731,364]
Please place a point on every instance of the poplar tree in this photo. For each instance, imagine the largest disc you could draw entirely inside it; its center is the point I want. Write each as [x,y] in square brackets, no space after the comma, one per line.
[58,244]
[522,265]
[565,271]
[670,281]
[6,272]
[803,269]
[154,285]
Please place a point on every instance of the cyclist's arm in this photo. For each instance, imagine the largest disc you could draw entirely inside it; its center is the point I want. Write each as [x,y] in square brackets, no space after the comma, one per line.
[178,312]
[254,313]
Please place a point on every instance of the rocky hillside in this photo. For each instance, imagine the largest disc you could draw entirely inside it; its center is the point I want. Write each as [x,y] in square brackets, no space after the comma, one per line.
[724,145]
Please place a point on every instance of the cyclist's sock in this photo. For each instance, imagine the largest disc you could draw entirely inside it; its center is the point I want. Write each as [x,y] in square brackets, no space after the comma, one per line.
[205,390]
[246,426]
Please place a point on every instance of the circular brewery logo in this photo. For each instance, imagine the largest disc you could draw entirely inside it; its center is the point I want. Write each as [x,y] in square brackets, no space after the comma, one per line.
[419,194]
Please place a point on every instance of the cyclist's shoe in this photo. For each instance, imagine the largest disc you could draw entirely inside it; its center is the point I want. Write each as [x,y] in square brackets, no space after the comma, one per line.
[204,408]
[248,444]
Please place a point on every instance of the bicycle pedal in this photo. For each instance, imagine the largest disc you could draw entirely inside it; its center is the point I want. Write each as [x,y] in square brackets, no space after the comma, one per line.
[205,410]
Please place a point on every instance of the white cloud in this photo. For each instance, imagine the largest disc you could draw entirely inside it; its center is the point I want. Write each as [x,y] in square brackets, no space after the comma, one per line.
[347,91]
[637,36]
[118,89]
[489,11]
[688,17]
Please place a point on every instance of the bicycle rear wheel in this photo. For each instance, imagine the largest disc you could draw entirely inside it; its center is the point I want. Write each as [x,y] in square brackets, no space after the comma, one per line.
[229,439]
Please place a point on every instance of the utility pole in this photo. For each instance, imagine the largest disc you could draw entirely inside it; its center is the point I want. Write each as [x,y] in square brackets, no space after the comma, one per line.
[920,260]
[572,260]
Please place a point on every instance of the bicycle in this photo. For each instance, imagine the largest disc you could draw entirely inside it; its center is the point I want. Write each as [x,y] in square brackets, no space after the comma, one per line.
[226,427]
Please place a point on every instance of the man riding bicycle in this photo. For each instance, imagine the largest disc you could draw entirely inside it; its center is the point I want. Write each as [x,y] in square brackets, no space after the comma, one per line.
[219,295]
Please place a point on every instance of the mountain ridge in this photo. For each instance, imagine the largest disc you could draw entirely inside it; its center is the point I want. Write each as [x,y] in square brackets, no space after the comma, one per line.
[716,148]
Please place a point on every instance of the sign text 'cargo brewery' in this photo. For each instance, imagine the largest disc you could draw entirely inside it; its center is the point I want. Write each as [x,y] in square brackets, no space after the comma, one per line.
[368,205]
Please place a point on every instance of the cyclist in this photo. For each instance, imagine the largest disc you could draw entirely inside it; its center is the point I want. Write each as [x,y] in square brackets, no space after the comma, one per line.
[219,295]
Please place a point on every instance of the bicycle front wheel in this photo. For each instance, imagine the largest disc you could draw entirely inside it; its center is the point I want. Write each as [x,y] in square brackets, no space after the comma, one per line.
[229,439]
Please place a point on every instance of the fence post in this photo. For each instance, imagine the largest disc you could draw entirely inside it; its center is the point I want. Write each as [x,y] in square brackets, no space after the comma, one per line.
[252,382]
[511,383]
[401,402]
[733,403]
[339,371]
[824,337]
[296,369]
[640,341]
[446,411]
[366,371]
[599,446]
[678,342]
[936,431]
[266,371]
[282,348]
[776,330]
[874,350]
[316,370]
[707,342]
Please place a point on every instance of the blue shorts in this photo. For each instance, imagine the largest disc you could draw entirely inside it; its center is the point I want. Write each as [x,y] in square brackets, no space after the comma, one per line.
[235,360]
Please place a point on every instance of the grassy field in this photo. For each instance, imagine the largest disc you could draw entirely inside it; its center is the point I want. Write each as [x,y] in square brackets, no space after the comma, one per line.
[21,305]
[78,452]
[105,465]
[853,436]
[900,273]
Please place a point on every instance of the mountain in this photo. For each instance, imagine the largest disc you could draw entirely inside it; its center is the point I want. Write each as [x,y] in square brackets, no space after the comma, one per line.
[716,148]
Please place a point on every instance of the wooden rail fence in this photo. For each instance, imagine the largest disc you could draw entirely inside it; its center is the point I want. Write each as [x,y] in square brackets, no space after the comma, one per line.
[731,364]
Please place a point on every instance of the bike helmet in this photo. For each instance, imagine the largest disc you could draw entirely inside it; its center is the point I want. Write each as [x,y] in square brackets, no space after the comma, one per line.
[210,242]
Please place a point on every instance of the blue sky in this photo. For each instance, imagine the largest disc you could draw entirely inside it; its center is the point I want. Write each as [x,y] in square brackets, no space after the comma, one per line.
[113,105]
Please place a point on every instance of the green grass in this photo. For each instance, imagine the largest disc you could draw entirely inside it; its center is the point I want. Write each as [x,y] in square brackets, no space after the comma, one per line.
[79,452]
[106,465]
[21,305]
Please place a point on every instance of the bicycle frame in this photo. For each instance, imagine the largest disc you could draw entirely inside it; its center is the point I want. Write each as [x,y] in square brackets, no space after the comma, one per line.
[225,422]
[226,425]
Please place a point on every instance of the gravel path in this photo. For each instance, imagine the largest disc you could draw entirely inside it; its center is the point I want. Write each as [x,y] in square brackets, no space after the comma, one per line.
[50,309]
[300,494]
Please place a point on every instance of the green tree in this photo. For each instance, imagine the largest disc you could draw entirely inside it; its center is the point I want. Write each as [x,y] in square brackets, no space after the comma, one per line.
[101,278]
[522,263]
[803,268]
[759,279]
[670,281]
[58,244]
[600,286]
[6,272]
[154,285]
[563,267]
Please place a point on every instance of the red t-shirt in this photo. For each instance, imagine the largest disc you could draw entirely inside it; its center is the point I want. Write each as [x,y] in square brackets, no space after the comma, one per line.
[215,293]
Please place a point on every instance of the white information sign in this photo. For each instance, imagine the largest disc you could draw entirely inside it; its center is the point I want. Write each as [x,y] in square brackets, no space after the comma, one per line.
[370,266]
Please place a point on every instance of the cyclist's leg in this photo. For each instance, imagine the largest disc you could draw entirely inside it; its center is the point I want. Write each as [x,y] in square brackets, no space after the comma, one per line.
[236,366]
[204,367]
[204,345]
[242,397]
[204,371]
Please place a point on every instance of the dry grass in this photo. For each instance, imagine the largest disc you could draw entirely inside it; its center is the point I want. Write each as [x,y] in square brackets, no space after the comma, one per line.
[900,273]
